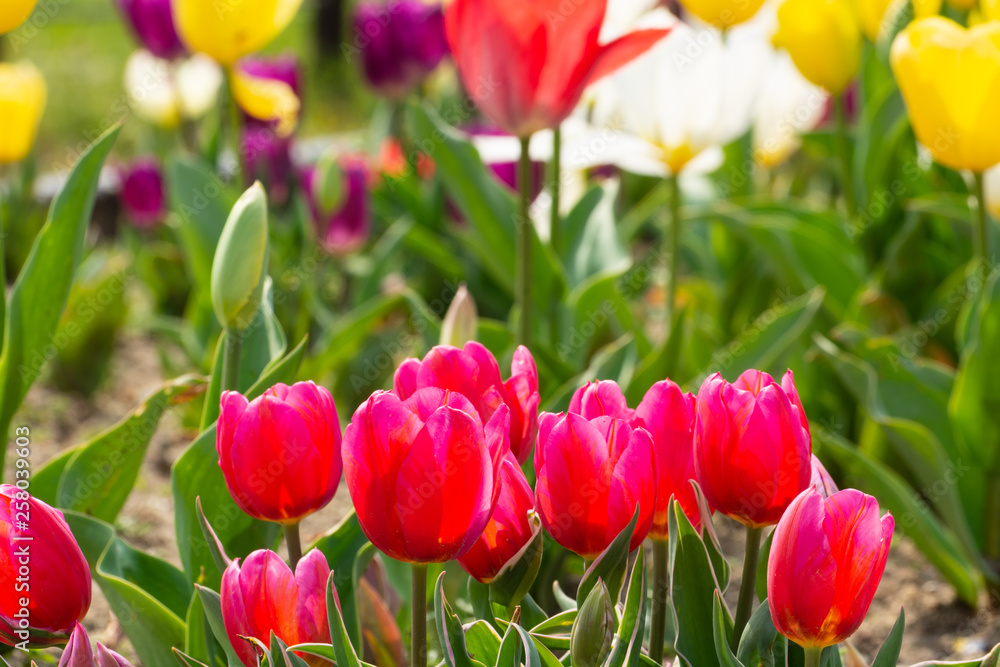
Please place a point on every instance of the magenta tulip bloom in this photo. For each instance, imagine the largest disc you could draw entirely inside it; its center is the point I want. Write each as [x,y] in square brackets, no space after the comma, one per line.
[44,577]
[153,24]
[668,414]
[473,371]
[280,453]
[143,196]
[78,653]
[591,476]
[508,530]
[821,480]
[752,448]
[601,398]
[827,558]
[263,595]
[424,473]
[347,229]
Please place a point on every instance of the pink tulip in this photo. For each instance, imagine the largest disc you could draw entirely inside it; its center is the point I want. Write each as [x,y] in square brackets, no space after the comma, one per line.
[78,653]
[263,595]
[424,473]
[44,577]
[752,448]
[591,476]
[473,371]
[508,530]
[280,453]
[602,397]
[827,558]
[821,480]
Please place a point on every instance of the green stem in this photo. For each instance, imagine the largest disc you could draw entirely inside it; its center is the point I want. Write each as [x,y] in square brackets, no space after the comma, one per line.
[672,241]
[813,655]
[661,587]
[980,243]
[294,543]
[523,231]
[418,620]
[231,360]
[844,151]
[992,536]
[747,585]
[556,178]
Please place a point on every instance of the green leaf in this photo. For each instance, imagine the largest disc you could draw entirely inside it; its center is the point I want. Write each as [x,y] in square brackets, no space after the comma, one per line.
[555,631]
[483,643]
[211,604]
[518,648]
[343,546]
[888,653]
[593,631]
[756,647]
[39,294]
[760,583]
[199,640]
[593,247]
[720,634]
[610,566]
[517,575]
[449,630]
[342,647]
[628,648]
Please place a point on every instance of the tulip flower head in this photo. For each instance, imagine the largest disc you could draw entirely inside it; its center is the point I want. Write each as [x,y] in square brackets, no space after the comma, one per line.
[79,654]
[22,101]
[163,93]
[280,453]
[591,475]
[152,22]
[827,558]
[13,13]
[824,40]
[262,595]
[723,14]
[950,80]
[59,595]
[526,63]
[509,529]
[473,371]
[601,398]
[424,472]
[752,448]
[142,193]
[230,30]
[346,229]
[873,13]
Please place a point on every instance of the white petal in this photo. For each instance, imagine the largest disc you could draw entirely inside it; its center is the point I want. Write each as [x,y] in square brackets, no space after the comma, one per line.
[198,81]
[150,88]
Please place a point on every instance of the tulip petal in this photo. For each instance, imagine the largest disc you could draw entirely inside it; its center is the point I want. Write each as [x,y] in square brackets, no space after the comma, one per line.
[234,615]
[632,486]
[77,652]
[623,50]
[267,100]
[404,381]
[311,575]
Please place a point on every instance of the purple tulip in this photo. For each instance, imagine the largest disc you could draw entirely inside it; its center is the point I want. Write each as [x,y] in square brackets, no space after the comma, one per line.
[142,193]
[153,24]
[346,229]
[400,42]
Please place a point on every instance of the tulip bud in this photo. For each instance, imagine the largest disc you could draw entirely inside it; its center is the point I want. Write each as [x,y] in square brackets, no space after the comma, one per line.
[78,654]
[601,398]
[280,453]
[824,40]
[594,628]
[461,322]
[262,596]
[827,558]
[22,101]
[821,480]
[229,32]
[153,24]
[108,658]
[142,193]
[723,14]
[240,264]
[347,227]
[36,536]
[328,184]
[13,13]
[752,448]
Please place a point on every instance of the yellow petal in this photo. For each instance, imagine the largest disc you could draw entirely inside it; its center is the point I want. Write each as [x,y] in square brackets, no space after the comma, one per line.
[22,100]
[723,13]
[13,13]
[823,38]
[267,99]
[872,13]
[227,30]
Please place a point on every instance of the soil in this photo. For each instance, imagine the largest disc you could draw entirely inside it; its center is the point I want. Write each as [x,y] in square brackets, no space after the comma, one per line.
[939,627]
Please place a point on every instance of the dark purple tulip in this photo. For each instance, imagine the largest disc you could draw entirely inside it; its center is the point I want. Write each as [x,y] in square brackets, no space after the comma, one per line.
[153,25]
[284,68]
[345,230]
[142,193]
[400,42]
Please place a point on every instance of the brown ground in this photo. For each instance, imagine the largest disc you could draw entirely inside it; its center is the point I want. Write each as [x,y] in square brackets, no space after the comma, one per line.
[938,626]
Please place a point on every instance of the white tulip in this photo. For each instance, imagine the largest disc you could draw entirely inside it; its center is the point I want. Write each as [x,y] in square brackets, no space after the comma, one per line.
[162,93]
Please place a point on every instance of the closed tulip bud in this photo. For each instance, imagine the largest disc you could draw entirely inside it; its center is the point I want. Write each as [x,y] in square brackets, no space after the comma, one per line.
[142,193]
[461,322]
[153,24]
[509,529]
[262,596]
[550,55]
[13,13]
[240,264]
[591,475]
[594,628]
[950,80]
[230,31]
[824,40]
[752,448]
[344,229]
[280,453]
[78,653]
[827,558]
[723,14]
[22,101]
[473,371]
[59,596]
[401,43]
[424,473]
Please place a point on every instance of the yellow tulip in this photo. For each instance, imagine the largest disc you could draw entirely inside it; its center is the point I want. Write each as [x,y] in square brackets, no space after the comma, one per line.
[723,14]
[823,38]
[987,10]
[873,12]
[13,13]
[950,80]
[227,30]
[22,100]
[266,99]
[964,5]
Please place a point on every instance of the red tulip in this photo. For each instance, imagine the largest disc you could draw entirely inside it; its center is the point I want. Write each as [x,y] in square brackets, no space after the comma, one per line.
[263,595]
[508,530]
[473,371]
[280,453]
[602,397]
[752,449]
[827,558]
[668,414]
[44,577]
[526,63]
[424,472]
[78,653]
[591,476]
